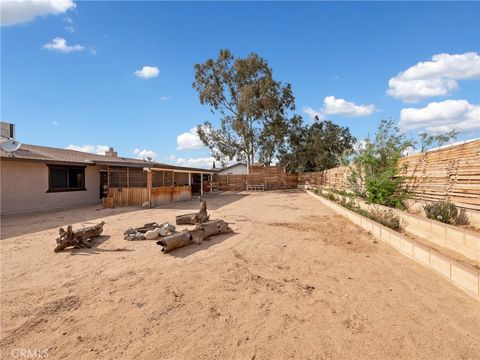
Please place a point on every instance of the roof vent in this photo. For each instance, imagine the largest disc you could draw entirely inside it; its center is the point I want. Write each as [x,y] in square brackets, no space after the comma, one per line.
[111,152]
[7,130]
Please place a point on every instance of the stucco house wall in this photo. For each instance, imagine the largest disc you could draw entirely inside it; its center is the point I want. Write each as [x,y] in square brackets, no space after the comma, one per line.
[24,188]
[237,169]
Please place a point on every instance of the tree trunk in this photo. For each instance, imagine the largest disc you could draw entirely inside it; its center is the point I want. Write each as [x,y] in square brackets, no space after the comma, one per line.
[79,238]
[197,235]
[194,218]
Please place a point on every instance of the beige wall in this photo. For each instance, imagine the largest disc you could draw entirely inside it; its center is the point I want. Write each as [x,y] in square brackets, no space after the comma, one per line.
[24,188]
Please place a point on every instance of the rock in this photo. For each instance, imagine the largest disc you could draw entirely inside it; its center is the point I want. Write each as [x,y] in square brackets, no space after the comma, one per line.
[130,231]
[130,237]
[151,235]
[164,232]
[168,227]
[146,205]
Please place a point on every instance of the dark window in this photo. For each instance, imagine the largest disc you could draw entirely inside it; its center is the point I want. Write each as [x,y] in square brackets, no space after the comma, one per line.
[66,178]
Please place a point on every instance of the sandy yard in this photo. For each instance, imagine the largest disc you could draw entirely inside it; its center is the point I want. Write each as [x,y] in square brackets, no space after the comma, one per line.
[295,281]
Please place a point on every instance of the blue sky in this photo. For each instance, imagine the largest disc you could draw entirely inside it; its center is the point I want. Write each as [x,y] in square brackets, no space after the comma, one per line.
[81,89]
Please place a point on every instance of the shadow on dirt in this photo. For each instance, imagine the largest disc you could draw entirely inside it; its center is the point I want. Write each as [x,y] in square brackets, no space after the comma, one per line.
[204,245]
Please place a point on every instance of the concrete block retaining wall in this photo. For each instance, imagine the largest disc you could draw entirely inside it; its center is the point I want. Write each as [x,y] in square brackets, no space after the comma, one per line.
[463,241]
[460,276]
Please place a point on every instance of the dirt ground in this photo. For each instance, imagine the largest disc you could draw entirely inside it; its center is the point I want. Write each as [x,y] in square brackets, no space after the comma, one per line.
[294,281]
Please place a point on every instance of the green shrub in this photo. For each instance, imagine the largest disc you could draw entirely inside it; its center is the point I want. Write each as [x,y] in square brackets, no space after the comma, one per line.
[446,212]
[385,190]
[376,166]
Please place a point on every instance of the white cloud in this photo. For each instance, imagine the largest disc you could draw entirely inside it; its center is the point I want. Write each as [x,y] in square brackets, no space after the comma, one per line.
[60,44]
[189,140]
[144,154]
[147,72]
[20,11]
[442,117]
[434,78]
[312,112]
[94,149]
[55,123]
[69,21]
[165,98]
[333,106]
[172,157]
[201,162]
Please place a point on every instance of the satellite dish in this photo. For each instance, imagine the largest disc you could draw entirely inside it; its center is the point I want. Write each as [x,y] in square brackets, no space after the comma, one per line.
[10,145]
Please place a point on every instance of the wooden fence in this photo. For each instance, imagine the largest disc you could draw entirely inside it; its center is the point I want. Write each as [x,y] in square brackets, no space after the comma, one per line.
[447,173]
[137,196]
[335,178]
[270,177]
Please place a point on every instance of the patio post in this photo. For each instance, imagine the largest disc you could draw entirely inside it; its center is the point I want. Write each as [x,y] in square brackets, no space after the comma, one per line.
[149,186]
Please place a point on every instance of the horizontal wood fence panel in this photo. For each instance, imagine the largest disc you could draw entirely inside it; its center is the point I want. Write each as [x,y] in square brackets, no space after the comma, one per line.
[139,196]
[448,173]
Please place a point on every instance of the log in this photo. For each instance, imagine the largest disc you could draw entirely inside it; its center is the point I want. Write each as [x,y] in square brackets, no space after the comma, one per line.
[78,238]
[200,233]
[194,218]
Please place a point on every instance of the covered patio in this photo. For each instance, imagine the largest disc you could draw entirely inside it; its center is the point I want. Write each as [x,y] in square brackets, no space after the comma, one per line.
[155,185]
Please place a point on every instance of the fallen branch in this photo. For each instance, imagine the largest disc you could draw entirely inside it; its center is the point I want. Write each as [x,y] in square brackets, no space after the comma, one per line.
[197,235]
[78,238]
[194,218]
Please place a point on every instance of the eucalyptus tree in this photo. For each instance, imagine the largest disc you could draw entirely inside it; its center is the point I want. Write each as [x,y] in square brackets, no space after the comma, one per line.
[252,106]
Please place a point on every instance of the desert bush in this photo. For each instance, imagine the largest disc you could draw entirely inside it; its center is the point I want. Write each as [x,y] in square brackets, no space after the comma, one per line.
[387,218]
[376,165]
[462,218]
[349,203]
[330,196]
[446,212]
[342,192]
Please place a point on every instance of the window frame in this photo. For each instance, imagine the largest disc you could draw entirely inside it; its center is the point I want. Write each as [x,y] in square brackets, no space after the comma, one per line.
[68,168]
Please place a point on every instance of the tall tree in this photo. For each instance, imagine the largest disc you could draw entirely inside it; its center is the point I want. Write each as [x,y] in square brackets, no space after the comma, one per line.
[316,147]
[251,104]
[428,141]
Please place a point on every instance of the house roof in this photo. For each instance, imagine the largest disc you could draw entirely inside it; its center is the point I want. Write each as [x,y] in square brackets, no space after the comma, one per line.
[47,154]
[229,167]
